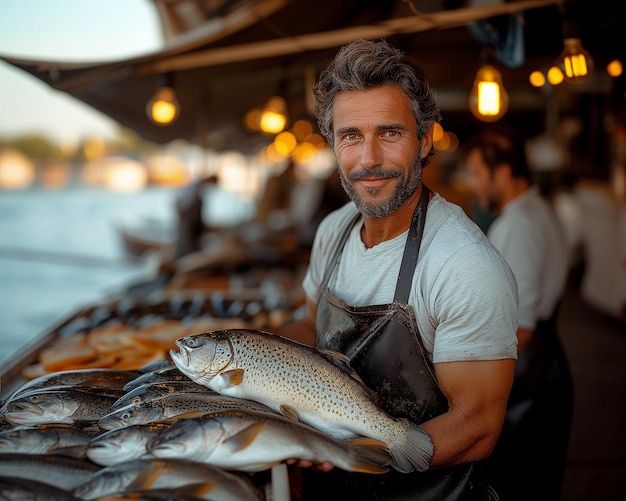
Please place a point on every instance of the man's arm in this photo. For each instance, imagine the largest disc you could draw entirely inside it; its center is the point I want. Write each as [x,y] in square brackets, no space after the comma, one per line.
[477,393]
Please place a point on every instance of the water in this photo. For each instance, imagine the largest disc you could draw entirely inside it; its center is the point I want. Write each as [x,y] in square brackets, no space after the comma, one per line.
[59,252]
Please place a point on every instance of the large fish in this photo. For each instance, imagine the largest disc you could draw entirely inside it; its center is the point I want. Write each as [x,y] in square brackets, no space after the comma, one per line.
[123,444]
[65,405]
[302,383]
[166,473]
[55,438]
[175,406]
[251,441]
[59,471]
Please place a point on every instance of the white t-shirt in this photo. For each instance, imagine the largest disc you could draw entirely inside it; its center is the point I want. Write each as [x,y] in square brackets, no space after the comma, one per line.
[531,239]
[463,293]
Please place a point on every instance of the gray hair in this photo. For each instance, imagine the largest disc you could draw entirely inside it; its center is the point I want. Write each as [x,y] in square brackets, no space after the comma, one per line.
[365,64]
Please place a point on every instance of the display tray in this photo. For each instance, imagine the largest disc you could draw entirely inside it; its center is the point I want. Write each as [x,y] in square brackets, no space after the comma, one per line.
[136,322]
[128,333]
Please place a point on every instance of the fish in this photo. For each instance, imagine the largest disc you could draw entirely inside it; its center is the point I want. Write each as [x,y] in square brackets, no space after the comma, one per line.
[102,378]
[21,489]
[151,391]
[250,441]
[175,406]
[123,444]
[300,382]
[58,406]
[166,473]
[60,439]
[60,471]
[156,365]
[167,374]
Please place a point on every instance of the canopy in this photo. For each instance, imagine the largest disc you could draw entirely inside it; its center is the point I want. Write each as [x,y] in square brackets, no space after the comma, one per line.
[239,53]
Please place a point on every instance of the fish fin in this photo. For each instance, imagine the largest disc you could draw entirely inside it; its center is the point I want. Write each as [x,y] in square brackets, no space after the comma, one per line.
[187,415]
[414,452]
[289,412]
[342,361]
[233,377]
[198,490]
[147,477]
[245,437]
[372,455]
[368,468]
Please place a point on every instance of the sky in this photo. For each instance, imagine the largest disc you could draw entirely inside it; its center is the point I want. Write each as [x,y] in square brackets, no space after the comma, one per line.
[66,31]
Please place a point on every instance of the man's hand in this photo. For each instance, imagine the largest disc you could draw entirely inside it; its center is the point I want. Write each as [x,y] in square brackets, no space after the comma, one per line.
[303,463]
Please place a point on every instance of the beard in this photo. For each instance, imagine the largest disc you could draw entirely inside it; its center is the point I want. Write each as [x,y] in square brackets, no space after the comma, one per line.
[406,186]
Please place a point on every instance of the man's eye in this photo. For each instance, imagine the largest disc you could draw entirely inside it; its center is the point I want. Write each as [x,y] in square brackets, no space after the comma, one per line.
[350,137]
[391,133]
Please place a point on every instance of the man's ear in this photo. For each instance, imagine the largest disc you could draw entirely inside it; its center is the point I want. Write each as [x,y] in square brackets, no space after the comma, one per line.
[427,142]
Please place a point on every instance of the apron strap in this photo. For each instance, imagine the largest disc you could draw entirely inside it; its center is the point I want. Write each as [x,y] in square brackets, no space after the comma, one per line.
[411,249]
[338,250]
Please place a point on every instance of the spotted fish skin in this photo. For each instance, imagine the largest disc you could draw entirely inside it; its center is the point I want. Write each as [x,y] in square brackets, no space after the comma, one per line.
[300,382]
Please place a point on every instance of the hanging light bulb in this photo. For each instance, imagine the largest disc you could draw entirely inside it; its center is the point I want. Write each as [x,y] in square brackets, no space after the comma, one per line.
[575,61]
[488,100]
[163,107]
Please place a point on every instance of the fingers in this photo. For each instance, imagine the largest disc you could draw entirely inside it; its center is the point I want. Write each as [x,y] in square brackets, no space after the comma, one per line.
[305,463]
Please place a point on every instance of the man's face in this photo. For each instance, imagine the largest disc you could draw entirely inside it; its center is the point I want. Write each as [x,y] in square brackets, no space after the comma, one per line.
[481,181]
[377,148]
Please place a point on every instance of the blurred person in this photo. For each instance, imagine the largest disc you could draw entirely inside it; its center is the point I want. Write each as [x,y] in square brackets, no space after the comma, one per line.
[191,228]
[404,284]
[529,459]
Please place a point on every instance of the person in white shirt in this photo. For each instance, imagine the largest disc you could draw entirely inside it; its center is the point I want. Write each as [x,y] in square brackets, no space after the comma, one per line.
[405,285]
[529,459]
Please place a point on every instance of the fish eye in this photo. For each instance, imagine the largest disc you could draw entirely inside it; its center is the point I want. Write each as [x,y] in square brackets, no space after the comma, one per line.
[136,400]
[126,415]
[191,342]
[34,398]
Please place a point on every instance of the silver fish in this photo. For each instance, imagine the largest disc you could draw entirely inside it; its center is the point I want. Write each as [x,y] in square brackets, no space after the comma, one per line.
[299,382]
[166,473]
[22,489]
[60,439]
[151,391]
[166,374]
[102,378]
[58,406]
[124,444]
[252,442]
[60,471]
[175,406]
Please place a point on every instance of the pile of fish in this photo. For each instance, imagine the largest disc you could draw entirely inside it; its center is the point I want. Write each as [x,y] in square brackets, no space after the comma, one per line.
[208,423]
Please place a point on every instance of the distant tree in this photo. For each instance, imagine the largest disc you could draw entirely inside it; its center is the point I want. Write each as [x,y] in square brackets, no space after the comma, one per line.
[37,147]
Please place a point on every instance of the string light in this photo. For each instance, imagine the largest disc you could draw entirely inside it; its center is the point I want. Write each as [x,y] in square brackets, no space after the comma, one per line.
[163,107]
[488,100]
[575,61]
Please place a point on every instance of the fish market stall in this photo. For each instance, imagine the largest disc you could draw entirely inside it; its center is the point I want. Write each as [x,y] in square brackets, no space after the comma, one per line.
[128,338]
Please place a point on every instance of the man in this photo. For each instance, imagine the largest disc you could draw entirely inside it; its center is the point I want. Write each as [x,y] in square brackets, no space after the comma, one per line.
[529,460]
[406,285]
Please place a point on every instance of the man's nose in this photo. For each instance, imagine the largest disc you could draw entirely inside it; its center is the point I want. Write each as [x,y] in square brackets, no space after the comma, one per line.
[371,153]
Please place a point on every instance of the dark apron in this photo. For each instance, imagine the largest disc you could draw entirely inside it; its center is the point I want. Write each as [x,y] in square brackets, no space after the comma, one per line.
[385,349]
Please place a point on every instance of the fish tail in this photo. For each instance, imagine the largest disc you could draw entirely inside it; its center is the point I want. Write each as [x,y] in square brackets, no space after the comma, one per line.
[413,453]
[372,456]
